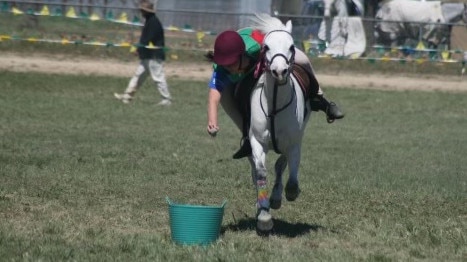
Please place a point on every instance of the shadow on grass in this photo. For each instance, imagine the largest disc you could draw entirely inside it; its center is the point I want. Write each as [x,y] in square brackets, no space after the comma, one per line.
[281,228]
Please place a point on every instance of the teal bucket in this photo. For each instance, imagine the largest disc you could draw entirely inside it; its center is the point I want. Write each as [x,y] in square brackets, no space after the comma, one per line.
[195,224]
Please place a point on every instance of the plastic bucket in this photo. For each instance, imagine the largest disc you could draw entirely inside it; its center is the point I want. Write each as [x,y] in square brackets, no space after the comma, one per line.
[195,224]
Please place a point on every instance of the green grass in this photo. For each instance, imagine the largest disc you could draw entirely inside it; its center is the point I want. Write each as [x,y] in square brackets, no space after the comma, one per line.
[84,177]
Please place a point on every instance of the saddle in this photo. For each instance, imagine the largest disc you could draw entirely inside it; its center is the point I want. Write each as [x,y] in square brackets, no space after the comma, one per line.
[306,80]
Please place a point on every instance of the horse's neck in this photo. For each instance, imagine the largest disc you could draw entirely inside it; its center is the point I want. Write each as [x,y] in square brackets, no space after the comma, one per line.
[453,12]
[284,91]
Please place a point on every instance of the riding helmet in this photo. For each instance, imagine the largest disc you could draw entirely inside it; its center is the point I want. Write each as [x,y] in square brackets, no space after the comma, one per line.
[228,48]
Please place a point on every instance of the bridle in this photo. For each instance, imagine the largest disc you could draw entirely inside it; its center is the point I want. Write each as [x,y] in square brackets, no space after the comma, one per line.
[265,48]
[264,65]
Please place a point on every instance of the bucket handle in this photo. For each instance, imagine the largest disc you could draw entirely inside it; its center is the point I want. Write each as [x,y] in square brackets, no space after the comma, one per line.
[223,203]
[170,202]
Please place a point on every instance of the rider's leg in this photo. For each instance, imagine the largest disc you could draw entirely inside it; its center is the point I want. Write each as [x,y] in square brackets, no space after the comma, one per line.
[317,100]
[319,103]
[231,107]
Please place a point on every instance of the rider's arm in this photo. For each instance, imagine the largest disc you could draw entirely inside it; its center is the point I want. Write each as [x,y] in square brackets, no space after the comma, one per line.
[216,85]
[213,104]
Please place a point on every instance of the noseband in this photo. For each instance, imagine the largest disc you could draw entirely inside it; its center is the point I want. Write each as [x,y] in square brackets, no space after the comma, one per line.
[264,64]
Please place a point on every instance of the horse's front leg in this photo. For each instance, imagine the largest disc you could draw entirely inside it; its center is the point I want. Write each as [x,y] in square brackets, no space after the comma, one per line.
[264,218]
[276,196]
[292,189]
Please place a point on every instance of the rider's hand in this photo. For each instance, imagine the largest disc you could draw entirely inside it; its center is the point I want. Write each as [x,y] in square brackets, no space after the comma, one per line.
[212,130]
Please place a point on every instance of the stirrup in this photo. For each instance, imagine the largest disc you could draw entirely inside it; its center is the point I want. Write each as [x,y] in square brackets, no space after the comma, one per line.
[330,118]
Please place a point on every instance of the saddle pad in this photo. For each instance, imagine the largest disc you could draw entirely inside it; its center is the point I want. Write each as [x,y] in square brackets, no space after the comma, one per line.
[303,78]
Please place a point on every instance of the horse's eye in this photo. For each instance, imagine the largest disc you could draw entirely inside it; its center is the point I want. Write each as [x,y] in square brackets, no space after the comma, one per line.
[266,48]
[292,48]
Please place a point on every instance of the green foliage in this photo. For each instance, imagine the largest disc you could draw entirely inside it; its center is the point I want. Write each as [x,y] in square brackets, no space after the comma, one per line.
[84,177]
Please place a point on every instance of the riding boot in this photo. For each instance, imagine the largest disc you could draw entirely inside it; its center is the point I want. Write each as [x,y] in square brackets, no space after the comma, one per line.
[319,103]
[245,149]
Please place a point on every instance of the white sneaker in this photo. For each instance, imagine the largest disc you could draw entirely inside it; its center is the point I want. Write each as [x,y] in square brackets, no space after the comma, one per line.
[164,102]
[125,98]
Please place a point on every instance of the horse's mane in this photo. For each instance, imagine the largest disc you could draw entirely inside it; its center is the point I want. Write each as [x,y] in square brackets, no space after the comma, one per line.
[266,23]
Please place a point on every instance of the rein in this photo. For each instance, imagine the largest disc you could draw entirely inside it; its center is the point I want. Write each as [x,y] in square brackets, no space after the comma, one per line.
[275,111]
[261,67]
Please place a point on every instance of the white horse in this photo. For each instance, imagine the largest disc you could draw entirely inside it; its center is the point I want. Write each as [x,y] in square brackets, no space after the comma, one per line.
[279,114]
[399,20]
[343,8]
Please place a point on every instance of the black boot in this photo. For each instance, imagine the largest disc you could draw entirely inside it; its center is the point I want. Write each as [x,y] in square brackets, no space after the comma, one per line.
[245,149]
[319,103]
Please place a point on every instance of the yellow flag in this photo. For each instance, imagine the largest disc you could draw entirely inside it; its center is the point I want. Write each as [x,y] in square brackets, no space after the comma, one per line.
[5,37]
[151,46]
[32,39]
[132,49]
[306,46]
[125,44]
[123,17]
[65,41]
[420,46]
[173,28]
[16,11]
[71,13]
[200,36]
[45,11]
[94,17]
[445,55]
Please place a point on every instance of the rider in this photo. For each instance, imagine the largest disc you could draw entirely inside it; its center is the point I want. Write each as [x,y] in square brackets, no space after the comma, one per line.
[234,57]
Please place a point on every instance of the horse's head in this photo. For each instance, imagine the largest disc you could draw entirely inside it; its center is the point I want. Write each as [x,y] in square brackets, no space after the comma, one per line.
[278,49]
[454,12]
[279,53]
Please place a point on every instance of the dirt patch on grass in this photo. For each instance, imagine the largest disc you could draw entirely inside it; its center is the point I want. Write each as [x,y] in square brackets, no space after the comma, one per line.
[202,71]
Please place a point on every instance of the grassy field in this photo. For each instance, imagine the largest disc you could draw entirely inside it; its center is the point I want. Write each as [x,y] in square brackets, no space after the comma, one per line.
[84,177]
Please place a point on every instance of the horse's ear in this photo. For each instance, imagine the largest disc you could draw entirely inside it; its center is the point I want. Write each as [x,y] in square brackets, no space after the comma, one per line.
[288,26]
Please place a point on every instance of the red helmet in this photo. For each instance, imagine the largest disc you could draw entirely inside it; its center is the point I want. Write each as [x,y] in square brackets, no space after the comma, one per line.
[228,48]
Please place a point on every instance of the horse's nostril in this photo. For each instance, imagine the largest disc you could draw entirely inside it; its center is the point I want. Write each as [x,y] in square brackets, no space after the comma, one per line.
[284,72]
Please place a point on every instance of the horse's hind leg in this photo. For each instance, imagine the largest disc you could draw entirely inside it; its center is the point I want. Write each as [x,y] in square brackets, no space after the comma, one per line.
[275,200]
[292,189]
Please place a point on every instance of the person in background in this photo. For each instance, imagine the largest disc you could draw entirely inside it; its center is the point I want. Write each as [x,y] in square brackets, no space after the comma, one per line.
[151,59]
[234,57]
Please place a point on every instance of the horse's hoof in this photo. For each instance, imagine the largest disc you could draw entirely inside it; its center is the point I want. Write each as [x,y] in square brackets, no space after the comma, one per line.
[292,191]
[275,203]
[264,223]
